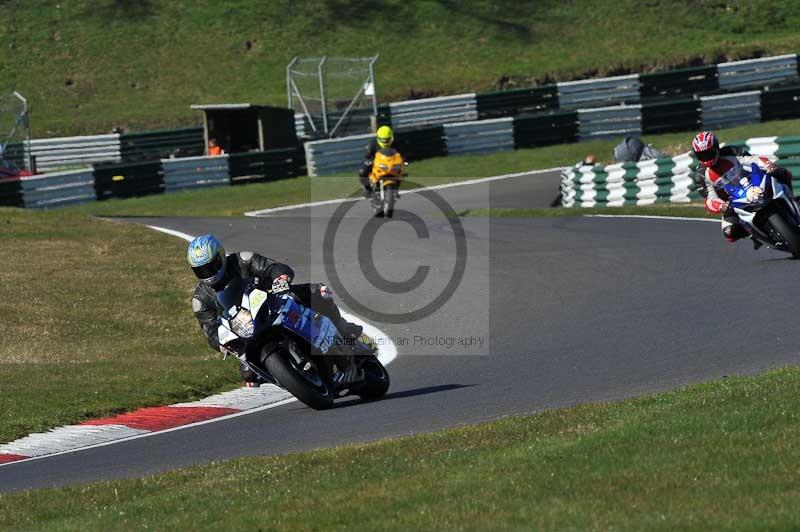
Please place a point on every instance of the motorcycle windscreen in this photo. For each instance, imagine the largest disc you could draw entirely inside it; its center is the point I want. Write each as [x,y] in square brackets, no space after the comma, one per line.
[315,328]
[230,298]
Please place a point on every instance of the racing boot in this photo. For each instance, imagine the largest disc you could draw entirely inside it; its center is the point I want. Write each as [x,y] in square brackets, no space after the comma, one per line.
[350,330]
[366,191]
[251,380]
[325,305]
[756,243]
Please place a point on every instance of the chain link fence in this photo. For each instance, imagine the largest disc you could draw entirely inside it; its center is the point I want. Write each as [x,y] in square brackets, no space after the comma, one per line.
[334,96]
[14,132]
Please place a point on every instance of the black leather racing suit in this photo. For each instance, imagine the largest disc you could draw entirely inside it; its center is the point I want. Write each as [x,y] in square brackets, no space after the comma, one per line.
[248,264]
[366,167]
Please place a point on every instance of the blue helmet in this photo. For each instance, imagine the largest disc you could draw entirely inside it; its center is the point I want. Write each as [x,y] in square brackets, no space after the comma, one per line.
[206,256]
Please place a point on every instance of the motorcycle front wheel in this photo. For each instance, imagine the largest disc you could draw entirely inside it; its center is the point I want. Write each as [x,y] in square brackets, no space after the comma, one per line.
[308,386]
[377,204]
[390,195]
[789,232]
[376,380]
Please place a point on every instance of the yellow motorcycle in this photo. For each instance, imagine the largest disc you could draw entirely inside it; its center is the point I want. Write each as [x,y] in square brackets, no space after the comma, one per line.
[386,175]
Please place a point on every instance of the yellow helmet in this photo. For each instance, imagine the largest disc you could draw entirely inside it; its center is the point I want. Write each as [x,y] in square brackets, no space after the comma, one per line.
[385,136]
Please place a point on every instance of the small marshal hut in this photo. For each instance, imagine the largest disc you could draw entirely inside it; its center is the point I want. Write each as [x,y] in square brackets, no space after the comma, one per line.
[243,127]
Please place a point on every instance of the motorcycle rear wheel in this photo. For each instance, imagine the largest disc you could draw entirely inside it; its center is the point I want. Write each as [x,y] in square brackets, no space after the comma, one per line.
[790,233]
[314,392]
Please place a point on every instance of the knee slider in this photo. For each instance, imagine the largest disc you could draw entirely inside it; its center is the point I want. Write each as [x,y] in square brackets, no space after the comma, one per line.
[734,232]
[728,233]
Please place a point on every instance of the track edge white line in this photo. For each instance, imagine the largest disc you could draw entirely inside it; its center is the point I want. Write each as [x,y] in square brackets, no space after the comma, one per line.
[265,212]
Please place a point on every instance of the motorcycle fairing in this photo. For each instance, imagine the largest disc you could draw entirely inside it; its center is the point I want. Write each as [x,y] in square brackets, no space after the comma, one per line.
[256,299]
[315,328]
[750,194]
[224,333]
[752,190]
[252,299]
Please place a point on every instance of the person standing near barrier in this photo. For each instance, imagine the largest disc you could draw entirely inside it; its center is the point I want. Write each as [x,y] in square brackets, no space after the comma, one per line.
[214,148]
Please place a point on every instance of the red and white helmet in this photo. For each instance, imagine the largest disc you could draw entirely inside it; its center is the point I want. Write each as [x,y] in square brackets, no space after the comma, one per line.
[706,148]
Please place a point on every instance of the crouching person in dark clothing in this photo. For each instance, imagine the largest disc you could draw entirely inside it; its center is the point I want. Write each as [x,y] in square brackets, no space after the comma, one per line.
[215,270]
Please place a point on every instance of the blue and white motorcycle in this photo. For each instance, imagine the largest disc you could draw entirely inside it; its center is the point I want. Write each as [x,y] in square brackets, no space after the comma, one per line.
[290,345]
[767,209]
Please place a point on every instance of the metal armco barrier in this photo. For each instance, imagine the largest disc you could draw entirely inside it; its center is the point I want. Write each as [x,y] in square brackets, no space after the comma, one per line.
[58,189]
[260,166]
[609,122]
[10,192]
[651,88]
[122,180]
[545,129]
[434,111]
[75,151]
[195,172]
[683,82]
[780,103]
[345,155]
[731,109]
[671,115]
[421,143]
[337,155]
[162,144]
[358,122]
[126,180]
[482,136]
[599,92]
[758,72]
[517,101]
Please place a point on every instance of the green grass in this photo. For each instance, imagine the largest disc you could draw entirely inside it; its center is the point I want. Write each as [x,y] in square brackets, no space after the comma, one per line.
[96,320]
[694,210]
[715,456]
[87,66]
[228,201]
[232,201]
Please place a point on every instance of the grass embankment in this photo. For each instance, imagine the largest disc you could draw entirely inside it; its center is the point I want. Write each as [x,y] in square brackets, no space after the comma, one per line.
[88,66]
[96,319]
[227,201]
[715,456]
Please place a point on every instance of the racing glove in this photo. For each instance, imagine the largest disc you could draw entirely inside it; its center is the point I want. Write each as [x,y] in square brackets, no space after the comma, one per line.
[281,284]
[716,205]
[770,166]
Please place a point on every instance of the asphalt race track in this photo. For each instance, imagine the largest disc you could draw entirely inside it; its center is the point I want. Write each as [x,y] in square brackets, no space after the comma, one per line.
[570,310]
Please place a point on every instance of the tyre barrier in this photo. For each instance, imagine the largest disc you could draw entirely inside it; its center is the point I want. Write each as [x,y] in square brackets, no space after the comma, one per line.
[663,180]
